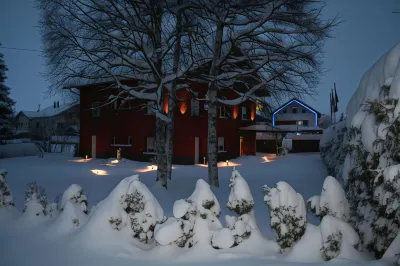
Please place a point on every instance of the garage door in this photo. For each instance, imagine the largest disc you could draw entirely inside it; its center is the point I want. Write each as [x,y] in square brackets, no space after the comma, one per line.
[266,146]
[305,146]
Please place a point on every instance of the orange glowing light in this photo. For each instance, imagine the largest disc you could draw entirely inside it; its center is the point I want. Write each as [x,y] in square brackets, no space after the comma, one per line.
[165,103]
[183,108]
[253,112]
[235,112]
[221,164]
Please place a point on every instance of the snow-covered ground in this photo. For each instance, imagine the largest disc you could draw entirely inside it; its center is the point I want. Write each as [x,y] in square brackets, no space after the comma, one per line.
[24,242]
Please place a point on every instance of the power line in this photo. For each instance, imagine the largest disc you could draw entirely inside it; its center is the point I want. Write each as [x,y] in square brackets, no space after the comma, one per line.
[20,49]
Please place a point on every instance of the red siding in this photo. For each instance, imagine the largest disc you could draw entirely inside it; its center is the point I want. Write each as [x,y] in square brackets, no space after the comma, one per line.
[134,122]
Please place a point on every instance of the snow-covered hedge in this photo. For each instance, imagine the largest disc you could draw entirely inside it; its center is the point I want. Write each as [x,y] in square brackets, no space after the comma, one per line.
[287,212]
[367,157]
[6,198]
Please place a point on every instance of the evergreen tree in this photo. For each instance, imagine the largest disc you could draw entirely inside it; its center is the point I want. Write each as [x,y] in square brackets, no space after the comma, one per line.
[6,103]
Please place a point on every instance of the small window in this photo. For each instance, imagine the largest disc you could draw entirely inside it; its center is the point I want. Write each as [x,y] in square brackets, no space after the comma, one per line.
[303,110]
[222,112]
[221,144]
[96,110]
[244,113]
[284,111]
[114,140]
[130,140]
[294,110]
[151,144]
[195,105]
[59,125]
[37,124]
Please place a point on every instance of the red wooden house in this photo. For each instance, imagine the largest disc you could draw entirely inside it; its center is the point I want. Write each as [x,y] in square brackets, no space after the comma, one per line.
[131,127]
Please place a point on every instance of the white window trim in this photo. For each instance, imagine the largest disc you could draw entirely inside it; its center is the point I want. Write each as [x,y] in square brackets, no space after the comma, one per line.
[147,145]
[114,144]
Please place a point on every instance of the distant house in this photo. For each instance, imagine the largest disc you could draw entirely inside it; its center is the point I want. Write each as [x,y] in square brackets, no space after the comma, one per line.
[297,122]
[52,121]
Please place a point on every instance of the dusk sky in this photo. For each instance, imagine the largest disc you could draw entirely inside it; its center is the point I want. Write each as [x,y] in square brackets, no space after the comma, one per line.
[370,29]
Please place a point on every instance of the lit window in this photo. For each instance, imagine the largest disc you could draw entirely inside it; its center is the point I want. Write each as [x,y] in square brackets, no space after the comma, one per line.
[195,105]
[221,144]
[130,140]
[151,144]
[95,109]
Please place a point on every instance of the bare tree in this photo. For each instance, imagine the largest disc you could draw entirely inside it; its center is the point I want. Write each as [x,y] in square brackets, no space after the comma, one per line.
[114,41]
[258,45]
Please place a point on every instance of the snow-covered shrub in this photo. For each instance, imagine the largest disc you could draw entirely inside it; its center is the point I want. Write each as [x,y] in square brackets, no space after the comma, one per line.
[337,236]
[72,208]
[138,209]
[201,206]
[6,198]
[240,201]
[287,212]
[74,193]
[35,200]
[332,201]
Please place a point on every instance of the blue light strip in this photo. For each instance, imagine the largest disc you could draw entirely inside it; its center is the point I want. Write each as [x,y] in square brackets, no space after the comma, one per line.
[276,111]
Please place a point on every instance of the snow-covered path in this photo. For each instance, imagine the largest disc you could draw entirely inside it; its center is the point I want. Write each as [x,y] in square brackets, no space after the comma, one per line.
[55,172]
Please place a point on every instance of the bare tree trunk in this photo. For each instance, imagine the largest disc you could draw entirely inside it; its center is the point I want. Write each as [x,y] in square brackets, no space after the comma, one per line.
[212,138]
[212,111]
[162,171]
[170,135]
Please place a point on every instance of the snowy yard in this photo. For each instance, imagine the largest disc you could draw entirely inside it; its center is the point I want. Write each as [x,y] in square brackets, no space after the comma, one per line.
[24,246]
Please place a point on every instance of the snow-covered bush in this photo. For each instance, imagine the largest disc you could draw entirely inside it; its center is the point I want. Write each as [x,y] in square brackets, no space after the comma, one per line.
[73,207]
[287,212]
[337,236]
[197,214]
[35,200]
[6,198]
[240,201]
[138,209]
[74,193]
[372,154]
[332,201]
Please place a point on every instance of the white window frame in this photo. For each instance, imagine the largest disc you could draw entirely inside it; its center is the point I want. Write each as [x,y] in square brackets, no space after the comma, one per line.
[221,142]
[151,140]
[195,105]
[129,140]
[244,113]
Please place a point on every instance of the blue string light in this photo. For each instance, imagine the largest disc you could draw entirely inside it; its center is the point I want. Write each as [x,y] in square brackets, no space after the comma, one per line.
[308,108]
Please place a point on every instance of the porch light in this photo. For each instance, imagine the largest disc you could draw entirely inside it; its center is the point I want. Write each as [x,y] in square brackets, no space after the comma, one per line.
[227,162]
[86,158]
[183,108]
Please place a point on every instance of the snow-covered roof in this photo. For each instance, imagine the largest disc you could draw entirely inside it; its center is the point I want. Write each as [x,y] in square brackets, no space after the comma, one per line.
[48,111]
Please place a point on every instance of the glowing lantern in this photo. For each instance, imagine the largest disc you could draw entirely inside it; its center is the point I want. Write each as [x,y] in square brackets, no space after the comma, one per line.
[183,108]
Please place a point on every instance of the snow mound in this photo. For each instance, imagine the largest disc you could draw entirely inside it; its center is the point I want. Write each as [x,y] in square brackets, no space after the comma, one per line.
[308,248]
[115,221]
[222,239]
[333,200]
[69,220]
